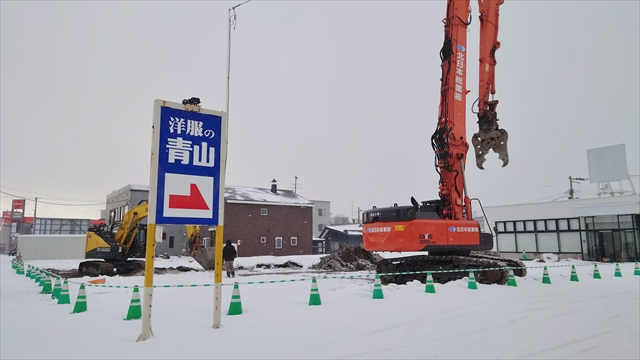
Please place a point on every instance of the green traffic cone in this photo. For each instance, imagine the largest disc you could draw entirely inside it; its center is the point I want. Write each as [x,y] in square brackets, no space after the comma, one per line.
[429,287]
[135,309]
[43,278]
[235,307]
[28,272]
[596,272]
[46,288]
[636,270]
[512,279]
[81,302]
[618,272]
[13,264]
[472,281]
[36,277]
[20,269]
[377,288]
[314,298]
[574,275]
[63,298]
[524,255]
[545,276]
[56,289]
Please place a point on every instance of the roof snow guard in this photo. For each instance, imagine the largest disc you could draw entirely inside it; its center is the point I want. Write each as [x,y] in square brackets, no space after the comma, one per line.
[252,195]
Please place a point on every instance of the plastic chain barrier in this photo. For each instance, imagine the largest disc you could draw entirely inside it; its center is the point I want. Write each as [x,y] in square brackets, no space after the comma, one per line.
[325,277]
[485,269]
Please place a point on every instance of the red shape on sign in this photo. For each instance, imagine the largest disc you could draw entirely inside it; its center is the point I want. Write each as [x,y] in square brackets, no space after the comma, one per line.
[193,201]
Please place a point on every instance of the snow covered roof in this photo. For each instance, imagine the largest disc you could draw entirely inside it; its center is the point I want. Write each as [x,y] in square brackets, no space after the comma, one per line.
[255,195]
[244,194]
[349,229]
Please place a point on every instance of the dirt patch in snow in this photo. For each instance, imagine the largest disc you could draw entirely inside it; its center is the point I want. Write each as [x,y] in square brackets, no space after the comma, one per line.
[72,274]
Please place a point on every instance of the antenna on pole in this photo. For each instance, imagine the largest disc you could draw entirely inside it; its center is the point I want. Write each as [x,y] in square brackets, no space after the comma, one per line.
[295,184]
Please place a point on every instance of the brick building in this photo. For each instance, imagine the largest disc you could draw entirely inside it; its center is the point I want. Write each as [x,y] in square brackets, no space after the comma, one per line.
[267,221]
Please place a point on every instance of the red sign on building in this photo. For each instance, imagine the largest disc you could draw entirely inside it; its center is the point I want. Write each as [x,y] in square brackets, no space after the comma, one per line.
[18,204]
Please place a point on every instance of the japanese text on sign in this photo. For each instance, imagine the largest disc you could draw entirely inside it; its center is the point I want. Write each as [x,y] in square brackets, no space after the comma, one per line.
[463,229]
[379,229]
[182,150]
[459,73]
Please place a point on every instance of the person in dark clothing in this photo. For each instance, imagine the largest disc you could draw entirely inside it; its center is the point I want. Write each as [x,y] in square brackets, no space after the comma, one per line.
[228,255]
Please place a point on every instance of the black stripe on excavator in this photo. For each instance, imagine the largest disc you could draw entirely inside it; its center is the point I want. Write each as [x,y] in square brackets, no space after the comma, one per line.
[486,243]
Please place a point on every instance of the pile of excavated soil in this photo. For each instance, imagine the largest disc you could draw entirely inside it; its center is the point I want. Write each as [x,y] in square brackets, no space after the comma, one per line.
[348,258]
[286,265]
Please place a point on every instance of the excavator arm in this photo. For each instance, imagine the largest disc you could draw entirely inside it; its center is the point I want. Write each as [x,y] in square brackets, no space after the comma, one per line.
[489,136]
[195,239]
[126,234]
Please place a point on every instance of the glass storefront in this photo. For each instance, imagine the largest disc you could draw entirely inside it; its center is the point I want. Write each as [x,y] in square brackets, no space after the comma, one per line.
[613,238]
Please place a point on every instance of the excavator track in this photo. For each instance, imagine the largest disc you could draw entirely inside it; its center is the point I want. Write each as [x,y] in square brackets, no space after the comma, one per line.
[456,266]
[98,267]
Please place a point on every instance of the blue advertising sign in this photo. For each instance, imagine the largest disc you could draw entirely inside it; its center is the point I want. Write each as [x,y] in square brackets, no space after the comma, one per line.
[189,152]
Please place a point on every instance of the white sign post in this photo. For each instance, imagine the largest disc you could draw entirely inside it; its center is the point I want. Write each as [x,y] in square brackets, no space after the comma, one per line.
[186,185]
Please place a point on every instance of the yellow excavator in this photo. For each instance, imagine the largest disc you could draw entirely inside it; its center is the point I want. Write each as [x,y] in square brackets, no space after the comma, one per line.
[114,249]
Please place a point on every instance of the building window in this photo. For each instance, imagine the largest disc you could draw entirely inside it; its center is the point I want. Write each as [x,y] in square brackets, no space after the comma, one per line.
[294,241]
[170,242]
[263,211]
[278,242]
[164,236]
[550,235]
[320,227]
[322,212]
[263,240]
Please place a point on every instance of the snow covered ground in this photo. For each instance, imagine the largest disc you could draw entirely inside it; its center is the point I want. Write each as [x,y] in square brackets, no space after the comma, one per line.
[586,319]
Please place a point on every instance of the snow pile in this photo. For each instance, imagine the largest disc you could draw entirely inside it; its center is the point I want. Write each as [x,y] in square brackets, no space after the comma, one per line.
[549,258]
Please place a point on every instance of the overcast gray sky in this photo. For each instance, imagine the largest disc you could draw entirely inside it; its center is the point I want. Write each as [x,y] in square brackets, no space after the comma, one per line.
[342,94]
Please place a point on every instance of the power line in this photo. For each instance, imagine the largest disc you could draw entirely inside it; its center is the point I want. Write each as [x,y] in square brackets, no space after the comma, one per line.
[51,196]
[51,203]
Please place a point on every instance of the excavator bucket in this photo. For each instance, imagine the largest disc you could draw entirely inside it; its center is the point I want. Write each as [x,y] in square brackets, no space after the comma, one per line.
[205,257]
[490,137]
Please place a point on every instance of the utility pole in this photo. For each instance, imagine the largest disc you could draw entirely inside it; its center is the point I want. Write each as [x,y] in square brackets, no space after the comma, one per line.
[33,226]
[571,180]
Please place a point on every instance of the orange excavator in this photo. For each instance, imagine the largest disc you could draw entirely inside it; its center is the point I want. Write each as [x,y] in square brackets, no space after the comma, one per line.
[445,228]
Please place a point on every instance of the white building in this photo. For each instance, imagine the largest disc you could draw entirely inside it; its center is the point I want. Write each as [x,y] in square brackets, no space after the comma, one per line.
[606,227]
[321,216]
